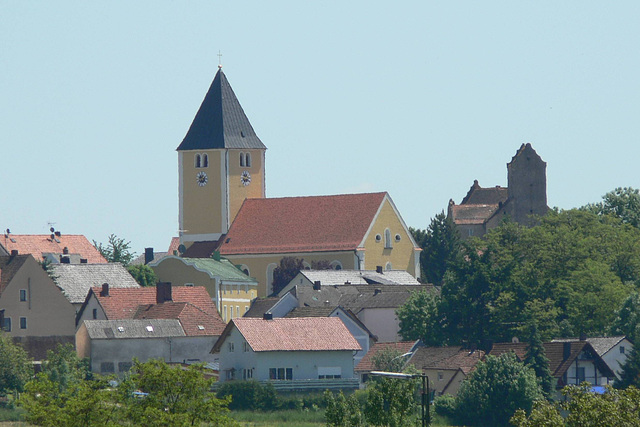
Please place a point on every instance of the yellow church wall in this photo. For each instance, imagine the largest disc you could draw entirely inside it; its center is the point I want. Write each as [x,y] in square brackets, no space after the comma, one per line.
[401,255]
[201,210]
[238,192]
[261,266]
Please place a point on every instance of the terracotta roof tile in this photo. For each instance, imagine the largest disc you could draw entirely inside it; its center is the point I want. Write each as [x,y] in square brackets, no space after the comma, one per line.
[173,246]
[366,363]
[194,321]
[302,224]
[446,358]
[39,244]
[297,334]
[9,266]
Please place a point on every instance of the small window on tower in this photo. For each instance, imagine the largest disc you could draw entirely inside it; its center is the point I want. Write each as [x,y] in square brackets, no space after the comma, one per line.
[197,160]
[242,159]
[205,161]
[248,160]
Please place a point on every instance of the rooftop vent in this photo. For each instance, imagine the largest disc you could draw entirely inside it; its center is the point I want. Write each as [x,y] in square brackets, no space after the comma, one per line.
[149,328]
[267,316]
[201,327]
[14,252]
[105,290]
[120,329]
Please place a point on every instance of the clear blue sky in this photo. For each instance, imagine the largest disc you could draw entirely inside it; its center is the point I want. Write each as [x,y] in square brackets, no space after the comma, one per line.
[414,98]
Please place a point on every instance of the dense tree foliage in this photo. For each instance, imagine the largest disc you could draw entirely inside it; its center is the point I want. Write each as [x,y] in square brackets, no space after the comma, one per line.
[285,272]
[116,250]
[536,359]
[493,392]
[64,367]
[556,275]
[15,366]
[440,244]
[249,395]
[419,318]
[630,371]
[583,408]
[627,318]
[623,203]
[342,411]
[143,274]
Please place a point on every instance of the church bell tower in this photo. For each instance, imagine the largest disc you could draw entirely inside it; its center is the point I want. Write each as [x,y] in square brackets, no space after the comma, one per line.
[221,162]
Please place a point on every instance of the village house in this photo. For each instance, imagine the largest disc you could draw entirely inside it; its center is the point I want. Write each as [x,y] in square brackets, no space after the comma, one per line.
[54,248]
[404,349]
[33,310]
[291,353]
[230,289]
[613,350]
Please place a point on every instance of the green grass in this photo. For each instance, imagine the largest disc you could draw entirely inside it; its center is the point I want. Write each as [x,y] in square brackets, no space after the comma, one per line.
[301,418]
[11,414]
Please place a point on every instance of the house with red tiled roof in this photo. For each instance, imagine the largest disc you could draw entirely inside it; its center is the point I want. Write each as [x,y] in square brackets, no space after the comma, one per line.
[33,310]
[55,247]
[524,197]
[195,329]
[570,362]
[291,353]
[366,364]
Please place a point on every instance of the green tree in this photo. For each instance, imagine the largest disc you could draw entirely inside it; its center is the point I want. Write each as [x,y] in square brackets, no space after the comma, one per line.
[176,396]
[143,274]
[492,393]
[15,366]
[630,371]
[342,411]
[116,250]
[627,318]
[249,395]
[285,272]
[440,244]
[623,203]
[64,367]
[536,359]
[419,318]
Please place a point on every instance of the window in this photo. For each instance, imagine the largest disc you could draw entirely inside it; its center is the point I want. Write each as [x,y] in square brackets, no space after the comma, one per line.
[247,161]
[238,309]
[388,266]
[247,374]
[124,366]
[205,161]
[398,237]
[246,308]
[197,160]
[107,367]
[224,310]
[242,159]
[6,325]
[95,313]
[246,347]
[580,375]
[440,376]
[23,294]
[23,323]
[281,374]
[231,347]
[378,237]
[336,265]
[231,374]
[621,350]
[329,372]
[387,239]
[230,312]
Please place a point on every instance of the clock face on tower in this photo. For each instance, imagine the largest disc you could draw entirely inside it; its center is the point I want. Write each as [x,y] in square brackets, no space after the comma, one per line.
[202,179]
[245,178]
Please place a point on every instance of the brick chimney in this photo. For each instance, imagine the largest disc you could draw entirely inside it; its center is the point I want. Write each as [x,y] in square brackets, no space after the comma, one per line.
[148,255]
[105,290]
[163,292]
[379,269]
[316,285]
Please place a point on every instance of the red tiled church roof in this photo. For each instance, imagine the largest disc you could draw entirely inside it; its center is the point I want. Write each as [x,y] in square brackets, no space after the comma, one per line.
[302,224]
[38,244]
[293,334]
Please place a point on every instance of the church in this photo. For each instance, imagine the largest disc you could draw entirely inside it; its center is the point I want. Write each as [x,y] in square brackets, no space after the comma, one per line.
[223,206]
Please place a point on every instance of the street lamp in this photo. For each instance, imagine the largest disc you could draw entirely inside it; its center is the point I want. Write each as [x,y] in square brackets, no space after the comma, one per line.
[426,416]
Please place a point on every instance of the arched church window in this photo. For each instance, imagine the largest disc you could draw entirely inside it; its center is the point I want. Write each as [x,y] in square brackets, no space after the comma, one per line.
[242,159]
[387,239]
[205,161]
[197,160]
[247,160]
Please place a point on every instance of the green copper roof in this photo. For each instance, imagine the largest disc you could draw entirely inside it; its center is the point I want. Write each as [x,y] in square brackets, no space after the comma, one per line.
[223,269]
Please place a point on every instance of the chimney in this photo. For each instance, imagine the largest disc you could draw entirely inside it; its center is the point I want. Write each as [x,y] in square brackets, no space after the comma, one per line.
[65,259]
[379,269]
[267,316]
[14,252]
[216,255]
[148,255]
[65,250]
[583,337]
[163,292]
[83,261]
[105,290]
[566,350]
[316,285]
[57,233]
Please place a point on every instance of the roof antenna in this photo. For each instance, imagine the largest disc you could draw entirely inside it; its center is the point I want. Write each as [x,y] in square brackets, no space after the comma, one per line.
[219,60]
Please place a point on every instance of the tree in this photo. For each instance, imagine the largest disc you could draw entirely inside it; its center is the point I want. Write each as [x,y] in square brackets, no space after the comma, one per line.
[420,320]
[627,318]
[342,411]
[630,371]
[623,203]
[64,367]
[143,274]
[288,269]
[15,366]
[440,245]
[176,396]
[536,359]
[116,250]
[492,393]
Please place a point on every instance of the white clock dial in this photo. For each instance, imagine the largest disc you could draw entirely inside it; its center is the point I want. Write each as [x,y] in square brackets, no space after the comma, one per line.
[245,178]
[202,179]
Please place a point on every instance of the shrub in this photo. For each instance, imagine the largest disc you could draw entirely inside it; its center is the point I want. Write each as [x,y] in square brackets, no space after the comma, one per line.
[249,395]
[445,405]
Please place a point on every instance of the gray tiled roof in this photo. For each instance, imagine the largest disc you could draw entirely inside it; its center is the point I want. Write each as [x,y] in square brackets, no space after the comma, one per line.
[129,328]
[220,122]
[600,344]
[260,306]
[76,280]
[360,277]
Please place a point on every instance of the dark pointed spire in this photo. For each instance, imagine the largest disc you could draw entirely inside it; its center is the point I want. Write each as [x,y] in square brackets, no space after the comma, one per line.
[220,121]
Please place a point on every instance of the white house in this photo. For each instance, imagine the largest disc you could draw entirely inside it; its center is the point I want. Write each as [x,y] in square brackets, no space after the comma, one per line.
[308,352]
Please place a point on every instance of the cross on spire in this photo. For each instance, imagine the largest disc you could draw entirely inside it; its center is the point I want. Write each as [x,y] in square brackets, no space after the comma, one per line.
[219,59]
